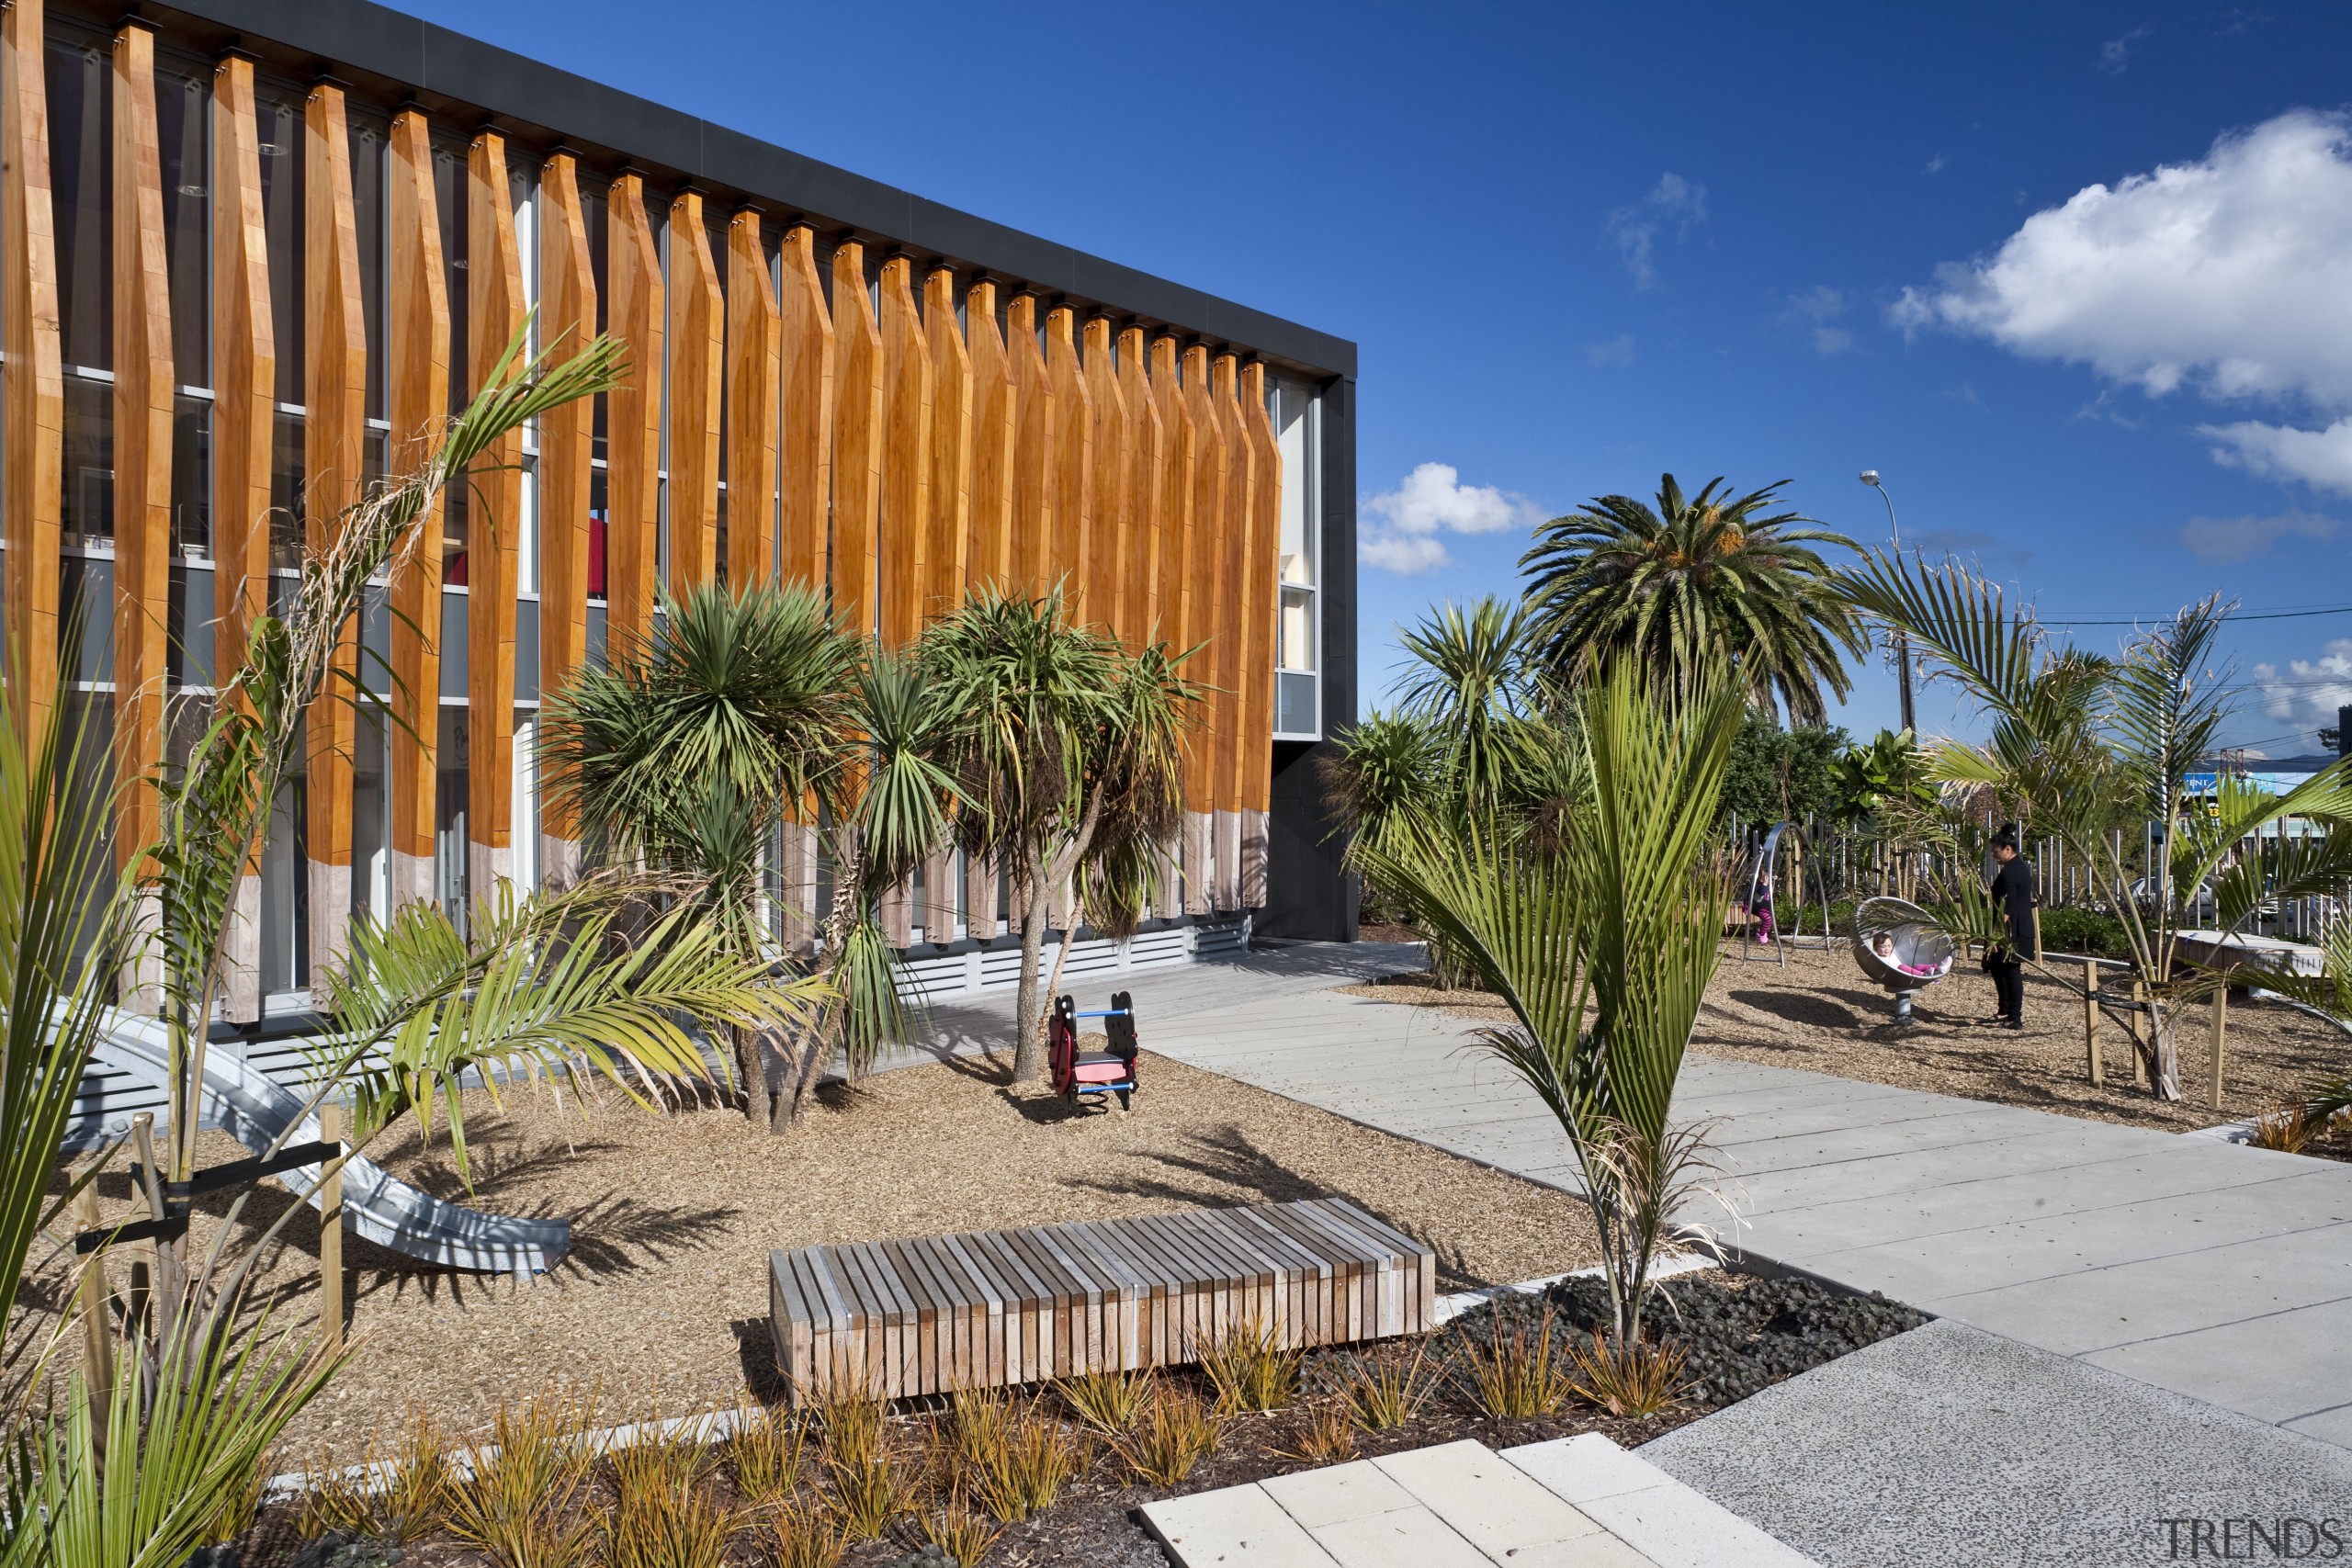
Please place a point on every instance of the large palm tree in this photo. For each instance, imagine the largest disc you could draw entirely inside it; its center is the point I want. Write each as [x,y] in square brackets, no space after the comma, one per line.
[1711,576]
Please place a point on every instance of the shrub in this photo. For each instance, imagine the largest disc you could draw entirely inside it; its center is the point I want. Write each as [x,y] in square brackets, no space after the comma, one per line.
[1513,1375]
[516,1501]
[1637,1379]
[2286,1128]
[1328,1437]
[2087,932]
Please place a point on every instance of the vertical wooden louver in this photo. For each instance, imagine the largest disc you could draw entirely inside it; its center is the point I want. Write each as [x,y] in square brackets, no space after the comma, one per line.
[1262,565]
[988,557]
[567,459]
[142,486]
[946,539]
[1110,528]
[335,397]
[416,388]
[244,380]
[1030,541]
[751,394]
[1180,473]
[494,308]
[696,339]
[1071,537]
[857,440]
[805,466]
[633,418]
[805,349]
[1204,617]
[904,510]
[1234,549]
[1146,457]
[32,382]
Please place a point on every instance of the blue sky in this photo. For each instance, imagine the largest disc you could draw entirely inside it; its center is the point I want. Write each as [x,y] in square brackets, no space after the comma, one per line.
[1580,245]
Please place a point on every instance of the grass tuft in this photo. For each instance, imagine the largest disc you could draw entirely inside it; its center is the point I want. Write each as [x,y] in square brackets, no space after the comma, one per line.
[1384,1393]
[960,1532]
[1328,1437]
[1108,1402]
[1019,1459]
[2287,1129]
[669,1525]
[400,1494]
[1635,1378]
[803,1536]
[1250,1368]
[662,1462]
[1513,1376]
[1176,1433]
[767,1449]
[516,1503]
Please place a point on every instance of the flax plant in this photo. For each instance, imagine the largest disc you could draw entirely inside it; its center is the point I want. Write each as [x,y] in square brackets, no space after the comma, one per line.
[2087,749]
[1597,925]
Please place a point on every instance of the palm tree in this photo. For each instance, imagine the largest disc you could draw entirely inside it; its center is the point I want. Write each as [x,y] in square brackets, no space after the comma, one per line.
[1704,577]
[1069,756]
[1601,937]
[2089,749]
[748,707]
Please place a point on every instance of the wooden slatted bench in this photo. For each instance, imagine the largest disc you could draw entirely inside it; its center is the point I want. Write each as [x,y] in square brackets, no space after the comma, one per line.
[992,1308]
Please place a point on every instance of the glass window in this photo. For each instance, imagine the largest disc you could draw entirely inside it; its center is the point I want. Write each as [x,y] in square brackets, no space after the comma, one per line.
[183,117]
[367,154]
[90,462]
[192,478]
[592,213]
[286,491]
[449,203]
[81,171]
[279,123]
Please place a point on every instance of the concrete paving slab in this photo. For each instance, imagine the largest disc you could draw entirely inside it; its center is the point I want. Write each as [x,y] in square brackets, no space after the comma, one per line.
[1918,1170]
[1650,1511]
[2328,1426]
[1585,1468]
[1953,1446]
[1236,1526]
[2077,1314]
[1325,1496]
[1856,1144]
[1414,1536]
[1486,1501]
[2279,1366]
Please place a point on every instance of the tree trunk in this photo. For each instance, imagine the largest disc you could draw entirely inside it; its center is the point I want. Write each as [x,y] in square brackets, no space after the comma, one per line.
[2159,1052]
[1029,1044]
[803,1059]
[751,1060]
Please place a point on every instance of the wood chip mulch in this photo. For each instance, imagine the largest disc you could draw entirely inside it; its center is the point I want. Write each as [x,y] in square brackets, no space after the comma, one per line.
[663,1300]
[1818,1013]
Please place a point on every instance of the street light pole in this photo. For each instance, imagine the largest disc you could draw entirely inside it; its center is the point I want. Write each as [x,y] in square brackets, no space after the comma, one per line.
[1902,640]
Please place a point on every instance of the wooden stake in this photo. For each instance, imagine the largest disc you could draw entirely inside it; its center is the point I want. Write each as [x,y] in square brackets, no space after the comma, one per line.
[2090,1021]
[2221,1032]
[330,1233]
[98,1328]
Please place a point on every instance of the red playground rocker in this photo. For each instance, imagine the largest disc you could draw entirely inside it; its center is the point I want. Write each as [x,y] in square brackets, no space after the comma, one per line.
[1111,1071]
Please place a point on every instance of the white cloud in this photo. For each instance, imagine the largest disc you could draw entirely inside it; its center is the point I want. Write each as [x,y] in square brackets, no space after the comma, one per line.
[1431,500]
[1674,204]
[1936,165]
[1617,351]
[2223,540]
[1820,306]
[2116,52]
[2322,458]
[2308,691]
[1404,554]
[2232,274]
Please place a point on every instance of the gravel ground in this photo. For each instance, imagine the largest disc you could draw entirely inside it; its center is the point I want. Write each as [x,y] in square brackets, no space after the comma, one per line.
[1820,1014]
[664,1299]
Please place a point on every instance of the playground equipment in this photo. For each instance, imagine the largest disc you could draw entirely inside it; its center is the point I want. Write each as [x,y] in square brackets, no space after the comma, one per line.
[1108,1071]
[1775,879]
[260,1111]
[1901,947]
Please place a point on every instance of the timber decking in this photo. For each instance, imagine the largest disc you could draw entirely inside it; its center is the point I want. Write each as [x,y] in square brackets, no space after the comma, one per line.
[891,1319]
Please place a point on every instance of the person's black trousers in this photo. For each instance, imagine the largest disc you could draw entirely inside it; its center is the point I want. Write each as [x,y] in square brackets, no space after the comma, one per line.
[2008,984]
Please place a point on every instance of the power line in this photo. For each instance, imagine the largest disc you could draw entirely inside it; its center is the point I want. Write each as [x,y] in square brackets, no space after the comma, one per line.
[2235,615]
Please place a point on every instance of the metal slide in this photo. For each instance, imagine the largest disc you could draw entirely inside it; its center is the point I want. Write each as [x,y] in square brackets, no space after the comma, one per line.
[257,1111]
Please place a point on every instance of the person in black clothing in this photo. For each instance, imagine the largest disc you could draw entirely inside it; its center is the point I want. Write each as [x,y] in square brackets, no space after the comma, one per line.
[2012,890]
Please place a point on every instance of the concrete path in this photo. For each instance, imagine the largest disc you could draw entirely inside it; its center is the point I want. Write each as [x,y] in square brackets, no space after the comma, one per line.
[2208,1269]
[1577,1502]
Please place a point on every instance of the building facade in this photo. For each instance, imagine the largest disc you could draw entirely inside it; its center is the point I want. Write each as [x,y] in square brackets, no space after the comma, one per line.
[251,249]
